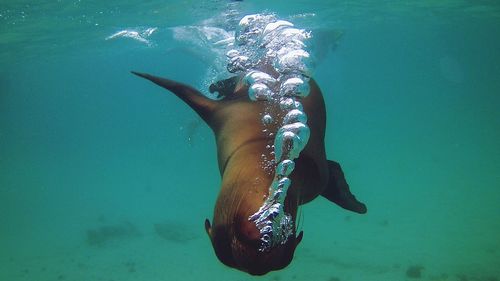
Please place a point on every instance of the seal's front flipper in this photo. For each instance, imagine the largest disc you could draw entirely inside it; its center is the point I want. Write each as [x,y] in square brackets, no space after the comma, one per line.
[196,100]
[224,87]
[338,191]
[230,89]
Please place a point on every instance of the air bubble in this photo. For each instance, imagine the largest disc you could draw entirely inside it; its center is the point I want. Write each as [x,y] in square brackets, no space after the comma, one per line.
[295,34]
[259,77]
[273,30]
[285,36]
[267,229]
[284,184]
[244,28]
[285,167]
[290,141]
[238,63]
[300,129]
[273,26]
[250,28]
[286,145]
[267,119]
[298,105]
[289,104]
[293,62]
[260,92]
[294,87]
[232,53]
[293,116]
[266,237]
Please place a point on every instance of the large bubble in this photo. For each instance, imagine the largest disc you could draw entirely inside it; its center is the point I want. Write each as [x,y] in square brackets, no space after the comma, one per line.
[295,116]
[285,167]
[250,28]
[259,77]
[295,87]
[239,63]
[295,61]
[259,91]
[290,141]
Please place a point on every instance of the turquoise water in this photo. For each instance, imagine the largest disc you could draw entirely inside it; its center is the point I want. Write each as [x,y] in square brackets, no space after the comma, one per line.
[412,92]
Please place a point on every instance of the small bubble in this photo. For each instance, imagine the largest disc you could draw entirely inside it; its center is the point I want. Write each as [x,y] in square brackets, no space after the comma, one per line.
[267,119]
[298,106]
[287,103]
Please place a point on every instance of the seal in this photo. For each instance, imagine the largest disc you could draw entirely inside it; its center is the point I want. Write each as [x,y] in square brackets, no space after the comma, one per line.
[241,146]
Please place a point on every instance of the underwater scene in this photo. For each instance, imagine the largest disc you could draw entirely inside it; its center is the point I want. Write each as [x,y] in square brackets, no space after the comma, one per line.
[105,176]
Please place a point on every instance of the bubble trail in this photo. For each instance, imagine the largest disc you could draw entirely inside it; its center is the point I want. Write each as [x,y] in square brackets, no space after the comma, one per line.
[271,54]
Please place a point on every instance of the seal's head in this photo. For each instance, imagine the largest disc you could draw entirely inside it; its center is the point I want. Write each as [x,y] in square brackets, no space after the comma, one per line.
[238,245]
[237,240]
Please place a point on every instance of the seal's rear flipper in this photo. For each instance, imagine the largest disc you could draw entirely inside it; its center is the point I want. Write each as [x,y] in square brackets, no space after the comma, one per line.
[338,191]
[196,100]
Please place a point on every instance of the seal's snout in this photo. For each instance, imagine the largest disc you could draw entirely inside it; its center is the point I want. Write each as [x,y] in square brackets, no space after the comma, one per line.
[256,262]
[238,245]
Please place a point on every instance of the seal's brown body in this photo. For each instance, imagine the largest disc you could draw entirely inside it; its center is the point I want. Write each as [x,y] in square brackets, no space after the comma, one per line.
[241,146]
